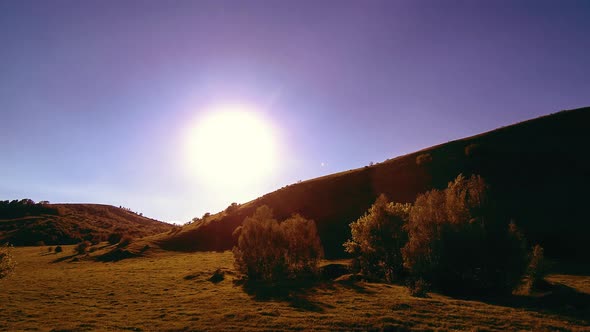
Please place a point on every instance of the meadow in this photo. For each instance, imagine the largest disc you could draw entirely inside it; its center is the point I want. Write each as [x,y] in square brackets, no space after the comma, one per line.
[171,291]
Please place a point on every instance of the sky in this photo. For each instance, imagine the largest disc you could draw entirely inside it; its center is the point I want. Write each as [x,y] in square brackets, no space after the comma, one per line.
[97,98]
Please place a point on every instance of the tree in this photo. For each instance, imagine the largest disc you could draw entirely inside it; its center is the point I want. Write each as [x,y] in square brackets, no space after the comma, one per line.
[271,251]
[7,262]
[458,243]
[378,237]
[304,249]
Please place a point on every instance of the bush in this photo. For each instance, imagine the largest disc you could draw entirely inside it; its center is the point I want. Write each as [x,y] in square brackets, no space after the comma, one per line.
[457,244]
[271,251]
[7,262]
[418,287]
[233,207]
[537,269]
[58,249]
[114,238]
[82,247]
[377,240]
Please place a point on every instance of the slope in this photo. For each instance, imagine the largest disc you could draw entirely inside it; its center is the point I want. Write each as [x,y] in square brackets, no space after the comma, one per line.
[538,172]
[25,223]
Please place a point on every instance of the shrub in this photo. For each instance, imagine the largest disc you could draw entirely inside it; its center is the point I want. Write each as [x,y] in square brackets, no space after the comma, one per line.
[537,269]
[82,247]
[377,239]
[304,249]
[233,207]
[114,238]
[418,287]
[457,244]
[269,251]
[7,262]
[58,249]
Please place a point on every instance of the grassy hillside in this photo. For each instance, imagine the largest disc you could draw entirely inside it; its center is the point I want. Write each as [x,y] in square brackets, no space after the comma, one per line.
[28,224]
[171,292]
[538,171]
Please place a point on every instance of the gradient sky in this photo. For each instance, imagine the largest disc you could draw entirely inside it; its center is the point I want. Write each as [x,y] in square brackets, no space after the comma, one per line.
[95,95]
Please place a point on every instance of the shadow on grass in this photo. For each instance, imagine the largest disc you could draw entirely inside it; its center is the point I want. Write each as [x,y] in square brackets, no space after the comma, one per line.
[570,268]
[63,258]
[116,255]
[297,293]
[554,298]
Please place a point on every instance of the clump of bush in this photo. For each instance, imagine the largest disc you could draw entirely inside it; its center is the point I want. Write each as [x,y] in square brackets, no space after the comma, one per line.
[377,239]
[270,251]
[451,239]
[58,249]
[114,238]
[457,244]
[82,247]
[7,262]
[233,207]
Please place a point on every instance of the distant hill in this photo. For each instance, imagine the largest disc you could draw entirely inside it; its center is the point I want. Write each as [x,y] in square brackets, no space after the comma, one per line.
[26,223]
[538,171]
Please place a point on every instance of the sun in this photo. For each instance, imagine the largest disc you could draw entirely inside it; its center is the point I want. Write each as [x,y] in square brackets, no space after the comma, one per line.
[232,146]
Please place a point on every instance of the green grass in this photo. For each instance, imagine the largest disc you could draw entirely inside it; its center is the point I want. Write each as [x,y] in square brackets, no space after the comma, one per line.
[152,293]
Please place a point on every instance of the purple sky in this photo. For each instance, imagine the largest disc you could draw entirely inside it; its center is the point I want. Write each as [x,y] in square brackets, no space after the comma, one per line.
[94,94]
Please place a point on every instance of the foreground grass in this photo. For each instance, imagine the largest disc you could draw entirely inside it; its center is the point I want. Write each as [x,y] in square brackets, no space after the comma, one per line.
[170,291]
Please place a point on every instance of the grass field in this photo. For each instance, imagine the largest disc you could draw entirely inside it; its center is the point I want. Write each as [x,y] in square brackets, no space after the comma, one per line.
[170,291]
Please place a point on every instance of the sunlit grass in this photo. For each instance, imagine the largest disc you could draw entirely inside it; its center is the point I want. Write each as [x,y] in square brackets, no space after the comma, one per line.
[152,293]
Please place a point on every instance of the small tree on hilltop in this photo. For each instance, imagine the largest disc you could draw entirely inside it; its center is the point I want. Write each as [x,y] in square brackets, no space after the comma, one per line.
[378,237]
[7,262]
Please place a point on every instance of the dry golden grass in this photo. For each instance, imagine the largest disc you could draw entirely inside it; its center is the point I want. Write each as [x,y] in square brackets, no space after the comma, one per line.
[170,291]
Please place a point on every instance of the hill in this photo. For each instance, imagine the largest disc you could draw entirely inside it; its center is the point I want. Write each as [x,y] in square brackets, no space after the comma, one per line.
[538,172]
[26,223]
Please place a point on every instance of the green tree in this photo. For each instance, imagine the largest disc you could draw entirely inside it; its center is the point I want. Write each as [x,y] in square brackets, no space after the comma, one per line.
[378,237]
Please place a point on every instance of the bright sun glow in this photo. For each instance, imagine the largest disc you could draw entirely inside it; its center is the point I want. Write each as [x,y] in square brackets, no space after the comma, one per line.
[231,147]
